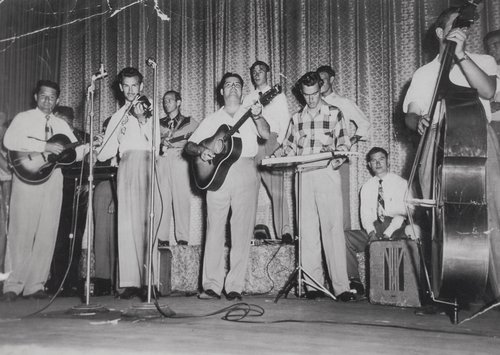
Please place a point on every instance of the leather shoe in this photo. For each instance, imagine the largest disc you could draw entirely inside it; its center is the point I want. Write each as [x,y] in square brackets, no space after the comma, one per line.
[130,292]
[347,296]
[163,244]
[38,295]
[287,238]
[233,295]
[9,296]
[208,295]
[356,284]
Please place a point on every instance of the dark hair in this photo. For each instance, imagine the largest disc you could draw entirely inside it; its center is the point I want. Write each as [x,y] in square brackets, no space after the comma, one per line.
[490,35]
[175,93]
[219,97]
[129,72]
[326,69]
[309,79]
[65,111]
[261,63]
[230,75]
[375,150]
[444,17]
[49,84]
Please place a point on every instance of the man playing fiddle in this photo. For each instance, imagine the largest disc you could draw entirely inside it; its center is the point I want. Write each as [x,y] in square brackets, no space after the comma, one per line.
[129,133]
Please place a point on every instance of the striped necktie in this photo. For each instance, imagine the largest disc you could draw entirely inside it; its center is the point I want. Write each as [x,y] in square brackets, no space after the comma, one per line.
[48,128]
[380,202]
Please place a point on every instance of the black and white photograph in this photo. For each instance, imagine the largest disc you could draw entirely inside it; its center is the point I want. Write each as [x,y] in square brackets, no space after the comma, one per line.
[249,176]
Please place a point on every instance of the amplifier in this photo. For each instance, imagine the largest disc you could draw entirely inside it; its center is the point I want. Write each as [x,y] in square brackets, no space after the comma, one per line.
[164,274]
[394,273]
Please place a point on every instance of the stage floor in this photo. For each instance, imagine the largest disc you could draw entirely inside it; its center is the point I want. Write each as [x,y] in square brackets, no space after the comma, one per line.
[300,326]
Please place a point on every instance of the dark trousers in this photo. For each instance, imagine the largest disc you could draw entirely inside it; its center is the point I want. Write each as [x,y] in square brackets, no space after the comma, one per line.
[71,225]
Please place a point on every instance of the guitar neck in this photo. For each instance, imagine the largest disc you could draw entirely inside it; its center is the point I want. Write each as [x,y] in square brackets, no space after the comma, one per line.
[239,123]
[179,138]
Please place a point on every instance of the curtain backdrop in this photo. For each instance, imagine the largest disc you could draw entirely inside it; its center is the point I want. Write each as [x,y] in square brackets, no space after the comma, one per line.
[374,45]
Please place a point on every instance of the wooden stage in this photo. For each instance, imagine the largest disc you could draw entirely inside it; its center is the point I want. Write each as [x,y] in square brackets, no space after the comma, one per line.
[290,326]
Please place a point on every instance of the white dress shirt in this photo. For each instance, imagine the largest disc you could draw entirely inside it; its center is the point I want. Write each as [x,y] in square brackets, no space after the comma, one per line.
[125,133]
[394,188]
[27,132]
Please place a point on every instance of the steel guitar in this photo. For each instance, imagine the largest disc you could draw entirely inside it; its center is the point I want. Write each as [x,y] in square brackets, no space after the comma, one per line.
[303,163]
[319,160]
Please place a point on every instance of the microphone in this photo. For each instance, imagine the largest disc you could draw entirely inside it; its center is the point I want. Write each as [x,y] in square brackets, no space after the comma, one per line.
[101,74]
[150,62]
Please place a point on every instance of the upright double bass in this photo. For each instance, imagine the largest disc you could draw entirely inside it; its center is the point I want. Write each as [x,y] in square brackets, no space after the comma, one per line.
[457,147]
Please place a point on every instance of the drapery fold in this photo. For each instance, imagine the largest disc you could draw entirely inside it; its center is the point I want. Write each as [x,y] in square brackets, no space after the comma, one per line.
[374,45]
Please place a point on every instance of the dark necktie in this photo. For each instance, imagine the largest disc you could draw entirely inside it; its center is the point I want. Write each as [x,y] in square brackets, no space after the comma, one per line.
[48,128]
[380,202]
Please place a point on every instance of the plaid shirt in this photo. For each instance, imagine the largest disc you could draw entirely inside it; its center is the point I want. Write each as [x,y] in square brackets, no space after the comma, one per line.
[311,135]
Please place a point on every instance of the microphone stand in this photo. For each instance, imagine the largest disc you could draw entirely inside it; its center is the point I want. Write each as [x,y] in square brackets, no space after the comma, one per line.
[152,170]
[90,211]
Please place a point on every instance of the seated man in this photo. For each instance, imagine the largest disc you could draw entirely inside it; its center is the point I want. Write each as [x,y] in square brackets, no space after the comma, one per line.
[382,210]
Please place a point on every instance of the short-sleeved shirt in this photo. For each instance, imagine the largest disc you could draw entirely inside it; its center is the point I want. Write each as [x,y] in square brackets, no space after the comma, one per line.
[247,132]
[424,80]
[316,133]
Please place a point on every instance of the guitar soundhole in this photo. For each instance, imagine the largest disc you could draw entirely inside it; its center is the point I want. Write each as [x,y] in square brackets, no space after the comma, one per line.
[218,146]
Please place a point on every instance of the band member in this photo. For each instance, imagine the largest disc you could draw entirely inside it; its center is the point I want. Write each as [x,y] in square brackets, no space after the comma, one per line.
[238,192]
[35,208]
[358,127]
[130,133]
[317,128]
[277,115]
[382,210]
[173,171]
[492,45]
[468,70]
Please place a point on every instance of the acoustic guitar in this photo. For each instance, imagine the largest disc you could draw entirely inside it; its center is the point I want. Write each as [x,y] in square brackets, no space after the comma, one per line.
[37,167]
[210,175]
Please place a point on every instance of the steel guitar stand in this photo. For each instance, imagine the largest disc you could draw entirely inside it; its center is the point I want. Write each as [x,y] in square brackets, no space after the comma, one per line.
[297,276]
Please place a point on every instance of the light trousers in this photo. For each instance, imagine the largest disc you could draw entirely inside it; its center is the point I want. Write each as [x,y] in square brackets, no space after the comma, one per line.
[34,219]
[238,193]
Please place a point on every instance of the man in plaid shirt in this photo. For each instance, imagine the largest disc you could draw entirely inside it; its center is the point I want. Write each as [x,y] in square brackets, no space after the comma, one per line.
[318,128]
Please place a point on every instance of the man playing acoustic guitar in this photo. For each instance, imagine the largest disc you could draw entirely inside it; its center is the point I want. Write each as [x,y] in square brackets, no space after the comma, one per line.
[35,208]
[238,192]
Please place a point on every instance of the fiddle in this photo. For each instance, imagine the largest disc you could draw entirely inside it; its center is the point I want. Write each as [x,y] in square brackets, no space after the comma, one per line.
[145,103]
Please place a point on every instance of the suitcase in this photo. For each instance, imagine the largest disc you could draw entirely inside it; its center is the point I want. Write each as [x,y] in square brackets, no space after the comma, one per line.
[394,269]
